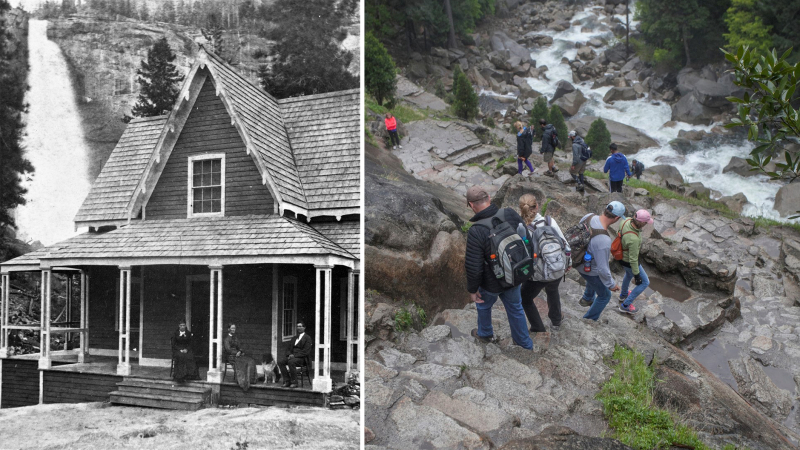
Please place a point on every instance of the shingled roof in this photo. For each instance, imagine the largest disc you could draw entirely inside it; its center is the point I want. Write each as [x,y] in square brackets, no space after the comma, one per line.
[114,186]
[324,133]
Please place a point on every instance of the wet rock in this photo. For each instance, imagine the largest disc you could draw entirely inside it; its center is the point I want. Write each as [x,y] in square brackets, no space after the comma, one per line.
[667,172]
[436,333]
[734,202]
[563,438]
[787,200]
[570,103]
[688,109]
[740,166]
[712,94]
[756,386]
[629,140]
[701,274]
[617,93]
[562,87]
[586,53]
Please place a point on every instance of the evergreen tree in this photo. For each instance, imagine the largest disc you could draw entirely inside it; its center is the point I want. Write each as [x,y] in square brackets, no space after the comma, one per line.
[539,111]
[746,28]
[213,33]
[144,12]
[557,119]
[13,165]
[379,70]
[465,100]
[159,80]
[169,11]
[598,138]
[308,55]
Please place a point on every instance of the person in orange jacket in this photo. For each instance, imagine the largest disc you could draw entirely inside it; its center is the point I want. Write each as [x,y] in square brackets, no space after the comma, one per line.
[391,127]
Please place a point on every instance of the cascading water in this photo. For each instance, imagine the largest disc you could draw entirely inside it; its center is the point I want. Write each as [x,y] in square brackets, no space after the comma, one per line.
[704,165]
[54,144]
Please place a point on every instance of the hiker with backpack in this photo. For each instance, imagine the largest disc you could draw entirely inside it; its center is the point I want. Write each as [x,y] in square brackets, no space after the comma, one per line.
[524,147]
[626,249]
[549,144]
[593,255]
[551,259]
[636,169]
[580,155]
[616,167]
[494,244]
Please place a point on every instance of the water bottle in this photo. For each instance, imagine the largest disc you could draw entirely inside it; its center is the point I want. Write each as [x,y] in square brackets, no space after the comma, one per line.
[587,262]
[498,271]
[523,233]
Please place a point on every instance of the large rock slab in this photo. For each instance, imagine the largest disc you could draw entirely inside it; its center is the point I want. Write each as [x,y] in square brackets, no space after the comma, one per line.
[667,172]
[787,200]
[421,426]
[756,386]
[688,109]
[740,166]
[619,93]
[570,103]
[563,87]
[712,94]
[629,140]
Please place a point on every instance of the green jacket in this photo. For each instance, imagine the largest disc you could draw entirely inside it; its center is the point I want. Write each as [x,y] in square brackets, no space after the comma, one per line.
[631,243]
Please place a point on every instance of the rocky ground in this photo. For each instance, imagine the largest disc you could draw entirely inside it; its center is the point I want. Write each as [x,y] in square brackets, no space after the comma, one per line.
[101,426]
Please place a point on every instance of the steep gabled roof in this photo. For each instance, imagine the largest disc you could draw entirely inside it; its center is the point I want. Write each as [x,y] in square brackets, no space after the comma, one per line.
[324,133]
[114,186]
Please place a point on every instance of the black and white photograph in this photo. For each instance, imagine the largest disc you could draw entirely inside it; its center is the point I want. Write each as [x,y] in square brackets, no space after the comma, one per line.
[180,224]
[582,224]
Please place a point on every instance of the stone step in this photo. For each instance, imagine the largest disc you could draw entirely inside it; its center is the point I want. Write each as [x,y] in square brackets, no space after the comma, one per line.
[471,155]
[166,392]
[155,401]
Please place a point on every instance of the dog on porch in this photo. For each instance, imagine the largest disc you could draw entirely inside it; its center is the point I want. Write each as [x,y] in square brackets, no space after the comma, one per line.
[270,367]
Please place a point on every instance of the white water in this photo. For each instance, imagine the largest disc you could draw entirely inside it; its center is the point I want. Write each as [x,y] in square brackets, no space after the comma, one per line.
[704,166]
[54,144]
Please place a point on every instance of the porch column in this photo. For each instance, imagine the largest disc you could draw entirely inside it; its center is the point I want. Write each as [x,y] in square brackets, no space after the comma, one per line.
[350,313]
[322,369]
[215,331]
[361,324]
[84,335]
[275,305]
[44,341]
[68,315]
[5,286]
[124,361]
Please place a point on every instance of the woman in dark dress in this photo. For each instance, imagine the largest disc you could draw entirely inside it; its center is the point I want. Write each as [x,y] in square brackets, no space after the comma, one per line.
[183,355]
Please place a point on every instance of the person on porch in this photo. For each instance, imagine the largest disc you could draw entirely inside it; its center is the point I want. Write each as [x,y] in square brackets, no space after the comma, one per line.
[244,366]
[300,349]
[183,355]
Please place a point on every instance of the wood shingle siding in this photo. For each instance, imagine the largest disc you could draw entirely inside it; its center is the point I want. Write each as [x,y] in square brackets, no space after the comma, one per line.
[324,133]
[67,387]
[113,188]
[209,130]
[20,383]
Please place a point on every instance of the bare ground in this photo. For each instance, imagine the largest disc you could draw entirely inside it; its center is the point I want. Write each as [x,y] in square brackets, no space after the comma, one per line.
[102,426]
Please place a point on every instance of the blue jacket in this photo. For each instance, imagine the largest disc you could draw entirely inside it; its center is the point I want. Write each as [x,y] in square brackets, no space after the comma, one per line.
[617,163]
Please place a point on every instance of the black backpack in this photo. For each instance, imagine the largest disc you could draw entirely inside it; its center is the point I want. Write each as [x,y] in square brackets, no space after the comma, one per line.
[578,237]
[586,152]
[511,262]
[554,139]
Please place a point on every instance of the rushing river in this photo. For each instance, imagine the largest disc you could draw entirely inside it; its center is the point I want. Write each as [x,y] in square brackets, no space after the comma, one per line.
[704,165]
[54,144]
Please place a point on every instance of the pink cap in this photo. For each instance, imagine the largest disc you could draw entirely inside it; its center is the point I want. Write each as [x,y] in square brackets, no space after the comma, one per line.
[643,215]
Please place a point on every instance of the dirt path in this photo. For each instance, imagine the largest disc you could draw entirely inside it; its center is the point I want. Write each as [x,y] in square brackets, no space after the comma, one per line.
[101,426]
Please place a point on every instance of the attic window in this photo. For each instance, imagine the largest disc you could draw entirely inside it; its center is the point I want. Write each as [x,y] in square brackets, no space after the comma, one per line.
[206,185]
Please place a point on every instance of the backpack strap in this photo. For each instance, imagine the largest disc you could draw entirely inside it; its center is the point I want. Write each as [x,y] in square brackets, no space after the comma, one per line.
[487,222]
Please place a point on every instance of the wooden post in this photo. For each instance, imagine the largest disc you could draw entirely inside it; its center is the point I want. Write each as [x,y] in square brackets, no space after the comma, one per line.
[322,369]
[44,342]
[5,285]
[124,359]
[276,293]
[215,332]
[68,315]
[84,334]
[361,324]
[350,314]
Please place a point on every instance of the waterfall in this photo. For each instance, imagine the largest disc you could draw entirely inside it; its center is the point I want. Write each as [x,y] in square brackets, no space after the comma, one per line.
[54,144]
[704,165]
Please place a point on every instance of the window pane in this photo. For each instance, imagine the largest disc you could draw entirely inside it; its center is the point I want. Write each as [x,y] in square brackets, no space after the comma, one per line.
[216,193]
[215,179]
[216,205]
[216,165]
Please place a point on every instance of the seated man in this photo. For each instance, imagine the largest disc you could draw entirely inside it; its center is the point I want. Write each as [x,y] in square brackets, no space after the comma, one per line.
[299,349]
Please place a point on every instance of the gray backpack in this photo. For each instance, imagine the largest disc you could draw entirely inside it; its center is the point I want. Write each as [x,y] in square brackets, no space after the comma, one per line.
[549,260]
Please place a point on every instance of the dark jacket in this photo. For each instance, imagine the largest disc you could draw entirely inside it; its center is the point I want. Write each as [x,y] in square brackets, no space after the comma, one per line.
[525,143]
[547,139]
[616,167]
[476,261]
[302,348]
[637,168]
[577,148]
[230,345]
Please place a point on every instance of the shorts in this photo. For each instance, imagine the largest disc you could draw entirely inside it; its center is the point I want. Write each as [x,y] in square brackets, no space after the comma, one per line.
[578,169]
[548,156]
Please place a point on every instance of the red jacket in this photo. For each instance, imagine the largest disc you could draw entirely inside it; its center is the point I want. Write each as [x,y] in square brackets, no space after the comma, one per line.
[391,123]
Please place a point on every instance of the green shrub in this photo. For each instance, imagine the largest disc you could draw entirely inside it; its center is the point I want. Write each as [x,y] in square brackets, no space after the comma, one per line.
[490,122]
[439,89]
[539,111]
[465,101]
[557,119]
[379,70]
[598,138]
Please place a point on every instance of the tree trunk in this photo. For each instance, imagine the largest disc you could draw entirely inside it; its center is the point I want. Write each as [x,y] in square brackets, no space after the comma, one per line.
[686,46]
[451,37]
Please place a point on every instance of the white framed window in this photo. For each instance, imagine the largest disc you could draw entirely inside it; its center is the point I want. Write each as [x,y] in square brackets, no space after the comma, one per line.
[206,196]
[289,295]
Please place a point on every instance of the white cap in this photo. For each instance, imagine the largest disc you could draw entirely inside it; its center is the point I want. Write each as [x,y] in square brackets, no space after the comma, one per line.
[573,133]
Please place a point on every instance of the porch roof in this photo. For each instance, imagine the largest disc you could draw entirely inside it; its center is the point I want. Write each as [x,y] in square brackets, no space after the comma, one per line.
[216,240]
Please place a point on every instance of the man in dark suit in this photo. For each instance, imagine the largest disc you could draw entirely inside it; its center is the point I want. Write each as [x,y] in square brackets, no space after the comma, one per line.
[299,348]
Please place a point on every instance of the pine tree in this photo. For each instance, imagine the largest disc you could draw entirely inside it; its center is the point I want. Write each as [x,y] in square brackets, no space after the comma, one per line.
[144,12]
[379,69]
[557,119]
[213,33]
[159,80]
[169,11]
[465,100]
[539,111]
[598,138]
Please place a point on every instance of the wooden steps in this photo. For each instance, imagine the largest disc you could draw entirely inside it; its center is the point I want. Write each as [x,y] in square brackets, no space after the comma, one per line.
[165,394]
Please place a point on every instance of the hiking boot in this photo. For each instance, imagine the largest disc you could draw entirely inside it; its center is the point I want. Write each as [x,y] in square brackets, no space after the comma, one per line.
[487,339]
[585,302]
[549,173]
[555,328]
[555,169]
[629,310]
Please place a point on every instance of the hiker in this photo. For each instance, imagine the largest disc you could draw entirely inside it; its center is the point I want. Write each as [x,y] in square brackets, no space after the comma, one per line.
[580,154]
[631,244]
[616,167]
[636,168]
[599,282]
[524,144]
[549,141]
[483,285]
[557,260]
[391,127]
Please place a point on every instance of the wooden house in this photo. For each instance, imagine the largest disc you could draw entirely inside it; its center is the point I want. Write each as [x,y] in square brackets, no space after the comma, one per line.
[233,208]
